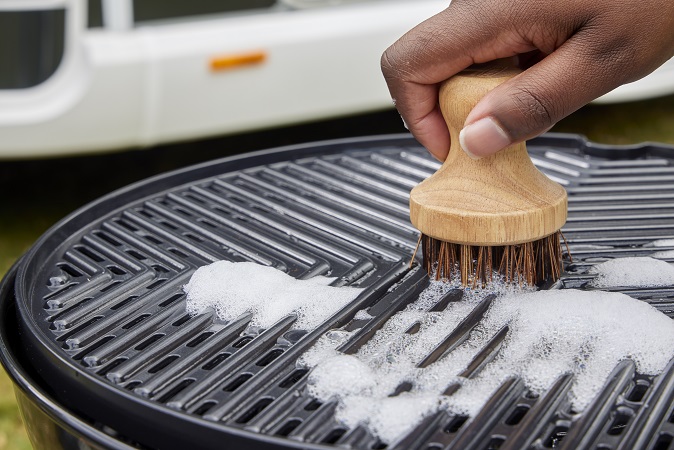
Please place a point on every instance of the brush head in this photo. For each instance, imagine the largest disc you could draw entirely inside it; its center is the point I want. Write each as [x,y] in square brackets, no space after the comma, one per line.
[498,200]
[474,265]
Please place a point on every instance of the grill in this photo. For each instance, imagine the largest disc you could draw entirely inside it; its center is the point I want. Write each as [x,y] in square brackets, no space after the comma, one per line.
[96,337]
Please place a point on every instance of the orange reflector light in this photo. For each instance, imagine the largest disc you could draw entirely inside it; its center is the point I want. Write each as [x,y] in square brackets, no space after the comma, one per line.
[227,62]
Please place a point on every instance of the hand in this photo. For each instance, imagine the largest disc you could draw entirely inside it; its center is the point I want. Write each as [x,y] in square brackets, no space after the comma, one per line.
[573,51]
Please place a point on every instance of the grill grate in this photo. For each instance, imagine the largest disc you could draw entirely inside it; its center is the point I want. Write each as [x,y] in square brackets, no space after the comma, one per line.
[104,298]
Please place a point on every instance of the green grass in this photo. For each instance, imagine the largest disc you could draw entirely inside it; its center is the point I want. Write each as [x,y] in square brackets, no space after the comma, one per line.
[626,123]
[12,434]
[38,193]
[18,230]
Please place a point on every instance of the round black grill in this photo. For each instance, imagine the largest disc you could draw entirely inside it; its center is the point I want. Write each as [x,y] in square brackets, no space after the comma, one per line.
[101,315]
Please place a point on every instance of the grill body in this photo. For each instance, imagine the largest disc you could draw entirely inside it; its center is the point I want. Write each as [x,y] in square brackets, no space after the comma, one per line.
[98,343]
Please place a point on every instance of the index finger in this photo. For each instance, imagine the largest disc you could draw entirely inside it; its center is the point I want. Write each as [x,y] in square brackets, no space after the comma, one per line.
[432,52]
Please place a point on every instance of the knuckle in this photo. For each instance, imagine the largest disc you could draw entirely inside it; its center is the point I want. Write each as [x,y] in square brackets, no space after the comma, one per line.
[410,57]
[394,64]
[388,63]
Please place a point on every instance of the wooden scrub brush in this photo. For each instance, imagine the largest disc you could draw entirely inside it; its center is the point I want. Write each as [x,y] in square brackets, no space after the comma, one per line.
[495,214]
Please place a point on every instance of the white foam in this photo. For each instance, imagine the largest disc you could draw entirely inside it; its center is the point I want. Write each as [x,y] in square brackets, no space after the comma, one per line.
[362,315]
[341,375]
[661,243]
[383,415]
[665,254]
[550,333]
[324,348]
[233,289]
[633,272]
[579,247]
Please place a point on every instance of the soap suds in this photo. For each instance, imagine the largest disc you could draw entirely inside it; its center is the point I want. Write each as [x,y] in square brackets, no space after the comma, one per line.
[234,289]
[354,377]
[579,247]
[665,254]
[661,243]
[550,333]
[633,272]
[362,315]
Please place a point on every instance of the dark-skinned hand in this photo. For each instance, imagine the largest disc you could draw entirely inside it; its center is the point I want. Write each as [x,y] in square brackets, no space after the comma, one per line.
[573,51]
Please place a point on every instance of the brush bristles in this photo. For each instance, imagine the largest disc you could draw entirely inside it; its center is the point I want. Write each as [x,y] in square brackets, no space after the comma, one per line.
[530,262]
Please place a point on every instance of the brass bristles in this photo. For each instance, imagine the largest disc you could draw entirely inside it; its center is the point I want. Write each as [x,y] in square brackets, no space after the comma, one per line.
[530,262]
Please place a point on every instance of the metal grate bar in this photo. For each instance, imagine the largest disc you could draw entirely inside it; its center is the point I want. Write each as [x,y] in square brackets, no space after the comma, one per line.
[478,429]
[141,305]
[229,227]
[459,334]
[341,231]
[653,415]
[212,241]
[134,363]
[112,348]
[65,319]
[382,160]
[220,340]
[385,188]
[315,242]
[317,428]
[360,208]
[393,302]
[223,373]
[345,215]
[540,415]
[368,197]
[169,239]
[74,292]
[364,167]
[302,236]
[589,423]
[143,245]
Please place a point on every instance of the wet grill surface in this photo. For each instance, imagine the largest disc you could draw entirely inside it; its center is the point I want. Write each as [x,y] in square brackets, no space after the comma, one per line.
[108,299]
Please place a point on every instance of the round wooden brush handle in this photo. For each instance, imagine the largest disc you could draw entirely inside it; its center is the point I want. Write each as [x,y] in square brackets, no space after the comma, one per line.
[501,199]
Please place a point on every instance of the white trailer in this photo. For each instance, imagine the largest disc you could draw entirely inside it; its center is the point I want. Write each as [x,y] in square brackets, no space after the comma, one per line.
[97,75]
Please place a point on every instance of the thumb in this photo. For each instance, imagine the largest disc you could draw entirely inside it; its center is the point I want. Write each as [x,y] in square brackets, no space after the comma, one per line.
[533,101]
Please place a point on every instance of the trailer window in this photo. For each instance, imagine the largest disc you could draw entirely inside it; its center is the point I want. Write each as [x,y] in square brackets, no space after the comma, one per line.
[147,10]
[94,14]
[31,46]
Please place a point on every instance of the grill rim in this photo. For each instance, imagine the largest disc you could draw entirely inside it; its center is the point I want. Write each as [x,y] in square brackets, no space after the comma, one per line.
[120,199]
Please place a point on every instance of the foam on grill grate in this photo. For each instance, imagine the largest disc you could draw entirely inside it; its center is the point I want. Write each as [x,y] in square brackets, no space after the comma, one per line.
[633,272]
[233,289]
[550,333]
[663,254]
[661,243]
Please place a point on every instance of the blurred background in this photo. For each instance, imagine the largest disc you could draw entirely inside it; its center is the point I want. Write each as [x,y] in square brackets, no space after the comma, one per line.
[97,94]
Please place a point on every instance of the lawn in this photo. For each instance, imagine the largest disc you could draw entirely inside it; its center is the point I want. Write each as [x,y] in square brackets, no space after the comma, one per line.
[38,193]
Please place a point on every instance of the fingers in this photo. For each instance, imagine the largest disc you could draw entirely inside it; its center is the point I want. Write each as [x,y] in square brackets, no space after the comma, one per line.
[532,102]
[434,51]
[573,52]
[419,109]
[413,67]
